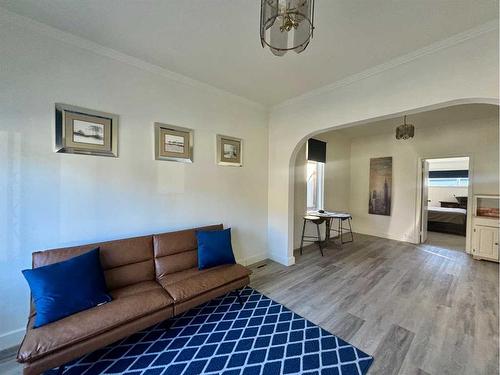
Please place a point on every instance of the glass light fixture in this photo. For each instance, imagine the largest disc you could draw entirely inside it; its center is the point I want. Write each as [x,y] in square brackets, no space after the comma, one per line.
[281,18]
[405,131]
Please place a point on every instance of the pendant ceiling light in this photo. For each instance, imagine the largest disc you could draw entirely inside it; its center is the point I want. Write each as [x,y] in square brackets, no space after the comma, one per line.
[405,131]
[286,25]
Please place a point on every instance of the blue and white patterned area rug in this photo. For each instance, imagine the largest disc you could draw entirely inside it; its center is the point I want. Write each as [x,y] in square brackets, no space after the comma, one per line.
[221,337]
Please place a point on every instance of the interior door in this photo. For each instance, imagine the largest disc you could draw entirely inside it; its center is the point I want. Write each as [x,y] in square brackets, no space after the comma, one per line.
[425,201]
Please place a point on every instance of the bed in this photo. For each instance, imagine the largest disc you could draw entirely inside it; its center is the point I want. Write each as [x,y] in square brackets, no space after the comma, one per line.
[447,220]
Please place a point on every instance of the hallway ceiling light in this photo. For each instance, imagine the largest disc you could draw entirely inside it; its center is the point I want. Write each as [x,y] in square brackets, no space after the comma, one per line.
[279,18]
[405,131]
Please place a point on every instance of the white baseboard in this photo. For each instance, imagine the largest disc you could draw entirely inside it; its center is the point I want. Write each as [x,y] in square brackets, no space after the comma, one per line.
[11,338]
[253,259]
[286,261]
[389,236]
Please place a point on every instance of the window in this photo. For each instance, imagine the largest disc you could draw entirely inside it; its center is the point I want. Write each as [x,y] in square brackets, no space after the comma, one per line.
[449,178]
[449,182]
[315,185]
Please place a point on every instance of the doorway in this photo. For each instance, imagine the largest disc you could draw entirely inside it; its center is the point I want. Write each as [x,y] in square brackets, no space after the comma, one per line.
[445,201]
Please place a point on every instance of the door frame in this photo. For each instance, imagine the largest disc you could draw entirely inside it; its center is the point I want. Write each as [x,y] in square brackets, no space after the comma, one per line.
[424,165]
[470,195]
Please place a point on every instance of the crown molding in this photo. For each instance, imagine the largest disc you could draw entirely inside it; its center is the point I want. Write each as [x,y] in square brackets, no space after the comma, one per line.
[82,43]
[427,50]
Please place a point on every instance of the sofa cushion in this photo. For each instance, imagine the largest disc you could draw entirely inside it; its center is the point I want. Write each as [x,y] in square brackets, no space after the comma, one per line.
[177,251]
[181,307]
[188,284]
[130,290]
[125,262]
[128,305]
[53,287]
[214,248]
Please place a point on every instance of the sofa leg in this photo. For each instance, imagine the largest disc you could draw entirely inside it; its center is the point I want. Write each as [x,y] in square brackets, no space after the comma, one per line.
[60,370]
[240,300]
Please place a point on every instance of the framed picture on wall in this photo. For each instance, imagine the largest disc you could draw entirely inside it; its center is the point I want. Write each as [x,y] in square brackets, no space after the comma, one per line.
[85,131]
[229,151]
[380,186]
[173,143]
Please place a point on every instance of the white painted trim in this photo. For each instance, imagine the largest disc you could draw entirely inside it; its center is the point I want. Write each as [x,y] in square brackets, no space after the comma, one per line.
[11,338]
[384,235]
[377,69]
[254,259]
[286,261]
[76,41]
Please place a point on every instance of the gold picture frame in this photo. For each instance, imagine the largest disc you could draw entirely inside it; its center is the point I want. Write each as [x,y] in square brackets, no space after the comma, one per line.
[85,131]
[229,151]
[173,143]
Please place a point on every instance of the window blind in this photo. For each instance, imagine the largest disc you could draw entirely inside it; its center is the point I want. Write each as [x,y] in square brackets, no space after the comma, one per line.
[316,150]
[449,174]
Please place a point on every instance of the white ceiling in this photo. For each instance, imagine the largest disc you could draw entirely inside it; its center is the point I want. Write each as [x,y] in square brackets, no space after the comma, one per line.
[217,41]
[457,113]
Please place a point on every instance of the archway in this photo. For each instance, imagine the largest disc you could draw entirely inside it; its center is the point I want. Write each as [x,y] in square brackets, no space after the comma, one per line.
[293,155]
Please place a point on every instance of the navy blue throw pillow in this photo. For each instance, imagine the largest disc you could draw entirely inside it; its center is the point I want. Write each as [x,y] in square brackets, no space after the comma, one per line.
[67,287]
[214,248]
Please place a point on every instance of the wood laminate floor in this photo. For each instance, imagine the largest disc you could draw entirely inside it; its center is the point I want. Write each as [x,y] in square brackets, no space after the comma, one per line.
[445,240]
[418,309]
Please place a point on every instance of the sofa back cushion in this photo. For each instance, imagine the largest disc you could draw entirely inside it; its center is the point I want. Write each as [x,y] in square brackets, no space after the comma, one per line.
[124,262]
[177,251]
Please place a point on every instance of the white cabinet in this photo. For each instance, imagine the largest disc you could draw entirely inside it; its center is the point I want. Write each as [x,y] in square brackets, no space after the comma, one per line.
[485,227]
[485,242]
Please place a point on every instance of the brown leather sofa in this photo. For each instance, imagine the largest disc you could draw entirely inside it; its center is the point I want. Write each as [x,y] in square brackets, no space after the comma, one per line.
[150,279]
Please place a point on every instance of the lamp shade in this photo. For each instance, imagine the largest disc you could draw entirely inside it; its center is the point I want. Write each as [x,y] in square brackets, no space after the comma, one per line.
[286,25]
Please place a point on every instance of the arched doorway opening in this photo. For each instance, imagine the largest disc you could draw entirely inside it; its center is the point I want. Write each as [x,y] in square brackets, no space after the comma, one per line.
[395,228]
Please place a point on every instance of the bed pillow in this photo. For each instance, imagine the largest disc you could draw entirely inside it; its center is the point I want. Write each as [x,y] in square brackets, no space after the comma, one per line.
[214,248]
[67,287]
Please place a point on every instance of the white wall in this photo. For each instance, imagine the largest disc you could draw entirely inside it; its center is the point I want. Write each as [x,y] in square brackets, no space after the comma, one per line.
[461,69]
[300,206]
[337,172]
[52,200]
[475,138]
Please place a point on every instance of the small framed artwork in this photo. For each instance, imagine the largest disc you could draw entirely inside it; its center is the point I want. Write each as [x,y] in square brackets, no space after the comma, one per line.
[229,151]
[85,131]
[173,143]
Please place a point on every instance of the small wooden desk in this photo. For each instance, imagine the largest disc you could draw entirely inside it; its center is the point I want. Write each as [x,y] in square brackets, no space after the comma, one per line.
[330,216]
